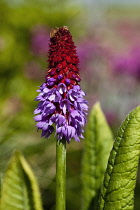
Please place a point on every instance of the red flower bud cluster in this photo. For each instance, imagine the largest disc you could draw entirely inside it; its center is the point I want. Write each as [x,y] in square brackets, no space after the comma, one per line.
[63,60]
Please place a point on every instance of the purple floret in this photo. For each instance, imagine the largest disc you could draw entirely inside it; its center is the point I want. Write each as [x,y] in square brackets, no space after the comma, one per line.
[67,115]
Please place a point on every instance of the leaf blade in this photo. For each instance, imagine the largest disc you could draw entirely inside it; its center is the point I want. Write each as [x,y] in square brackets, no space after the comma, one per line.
[20,189]
[97,148]
[117,191]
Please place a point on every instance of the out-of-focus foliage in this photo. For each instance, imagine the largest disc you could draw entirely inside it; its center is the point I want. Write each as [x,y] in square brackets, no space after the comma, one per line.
[110,54]
[97,147]
[19,186]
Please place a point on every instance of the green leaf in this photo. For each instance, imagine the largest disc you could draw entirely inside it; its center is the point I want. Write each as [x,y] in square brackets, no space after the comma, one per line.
[117,191]
[19,188]
[98,144]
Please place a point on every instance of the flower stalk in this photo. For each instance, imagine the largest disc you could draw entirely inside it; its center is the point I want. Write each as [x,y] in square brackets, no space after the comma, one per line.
[61,174]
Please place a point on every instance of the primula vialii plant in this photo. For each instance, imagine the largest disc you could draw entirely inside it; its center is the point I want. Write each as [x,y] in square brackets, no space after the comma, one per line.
[109,167]
[61,104]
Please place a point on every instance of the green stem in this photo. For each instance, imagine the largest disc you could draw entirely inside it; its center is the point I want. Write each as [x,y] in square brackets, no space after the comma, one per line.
[61,174]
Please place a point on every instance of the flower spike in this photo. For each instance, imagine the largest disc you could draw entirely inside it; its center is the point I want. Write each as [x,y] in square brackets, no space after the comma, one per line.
[61,101]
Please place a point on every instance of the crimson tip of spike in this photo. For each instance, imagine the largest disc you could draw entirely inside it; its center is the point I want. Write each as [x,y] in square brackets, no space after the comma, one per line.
[65,27]
[53,32]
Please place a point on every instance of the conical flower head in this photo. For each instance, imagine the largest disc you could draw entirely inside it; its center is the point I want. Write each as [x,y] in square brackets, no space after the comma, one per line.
[61,101]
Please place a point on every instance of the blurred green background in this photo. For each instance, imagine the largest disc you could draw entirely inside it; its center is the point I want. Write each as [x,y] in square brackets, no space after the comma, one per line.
[108,45]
